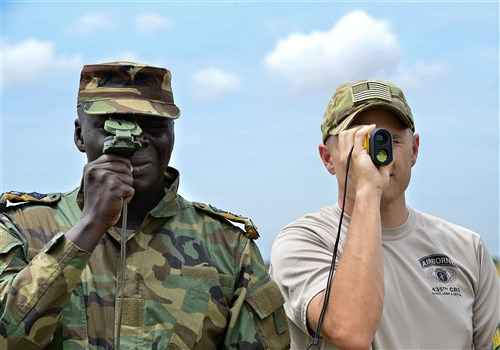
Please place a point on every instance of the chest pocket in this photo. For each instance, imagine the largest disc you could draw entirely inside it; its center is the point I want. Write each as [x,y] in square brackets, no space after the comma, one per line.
[188,309]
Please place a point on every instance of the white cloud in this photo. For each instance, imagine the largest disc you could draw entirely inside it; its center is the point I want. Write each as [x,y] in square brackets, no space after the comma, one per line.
[357,47]
[32,59]
[90,23]
[149,23]
[211,83]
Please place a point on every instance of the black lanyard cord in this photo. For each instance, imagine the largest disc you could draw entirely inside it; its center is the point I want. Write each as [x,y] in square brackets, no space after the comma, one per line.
[315,340]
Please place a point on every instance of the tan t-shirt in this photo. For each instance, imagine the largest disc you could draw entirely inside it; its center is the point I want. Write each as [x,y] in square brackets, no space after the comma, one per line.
[442,290]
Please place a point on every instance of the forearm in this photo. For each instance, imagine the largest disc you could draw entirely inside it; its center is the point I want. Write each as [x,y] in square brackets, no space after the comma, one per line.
[37,292]
[356,300]
[86,233]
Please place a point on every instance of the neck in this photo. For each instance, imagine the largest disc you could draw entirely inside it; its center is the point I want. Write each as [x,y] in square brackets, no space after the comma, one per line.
[392,213]
[140,206]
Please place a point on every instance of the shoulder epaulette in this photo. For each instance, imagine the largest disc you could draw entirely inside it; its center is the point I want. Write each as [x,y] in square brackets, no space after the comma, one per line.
[250,228]
[17,197]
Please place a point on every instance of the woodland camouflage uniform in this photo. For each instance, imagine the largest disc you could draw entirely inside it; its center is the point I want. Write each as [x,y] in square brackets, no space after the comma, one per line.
[190,275]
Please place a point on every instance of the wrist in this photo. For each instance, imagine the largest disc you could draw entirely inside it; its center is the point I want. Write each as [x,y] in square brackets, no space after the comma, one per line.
[368,190]
[86,233]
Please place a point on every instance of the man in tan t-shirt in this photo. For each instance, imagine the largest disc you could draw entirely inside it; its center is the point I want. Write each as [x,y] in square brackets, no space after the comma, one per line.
[403,279]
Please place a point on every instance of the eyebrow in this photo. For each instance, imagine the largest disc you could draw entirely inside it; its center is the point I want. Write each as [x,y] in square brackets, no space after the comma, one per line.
[398,137]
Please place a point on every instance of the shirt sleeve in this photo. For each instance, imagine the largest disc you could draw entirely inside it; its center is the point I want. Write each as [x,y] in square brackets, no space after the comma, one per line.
[486,308]
[33,293]
[300,263]
[257,317]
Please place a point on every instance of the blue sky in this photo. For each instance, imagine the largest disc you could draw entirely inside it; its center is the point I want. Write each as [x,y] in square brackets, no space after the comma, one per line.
[252,80]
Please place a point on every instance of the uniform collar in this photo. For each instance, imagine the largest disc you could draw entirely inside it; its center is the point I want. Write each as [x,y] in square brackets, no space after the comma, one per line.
[172,202]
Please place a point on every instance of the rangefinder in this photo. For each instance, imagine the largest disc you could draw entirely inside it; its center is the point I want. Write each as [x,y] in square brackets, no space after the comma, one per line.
[120,138]
[378,143]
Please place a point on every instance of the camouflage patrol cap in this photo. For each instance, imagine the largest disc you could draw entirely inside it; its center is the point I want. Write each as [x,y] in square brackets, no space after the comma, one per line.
[350,99]
[128,88]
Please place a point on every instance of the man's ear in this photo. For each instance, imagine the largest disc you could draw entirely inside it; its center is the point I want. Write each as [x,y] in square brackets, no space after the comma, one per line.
[326,158]
[78,138]
[414,148]
[173,134]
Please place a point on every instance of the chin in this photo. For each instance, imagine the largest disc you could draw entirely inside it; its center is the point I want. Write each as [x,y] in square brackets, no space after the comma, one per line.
[141,185]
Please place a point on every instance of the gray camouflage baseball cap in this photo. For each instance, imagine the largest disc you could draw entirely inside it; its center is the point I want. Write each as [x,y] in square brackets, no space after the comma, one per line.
[127,88]
[350,99]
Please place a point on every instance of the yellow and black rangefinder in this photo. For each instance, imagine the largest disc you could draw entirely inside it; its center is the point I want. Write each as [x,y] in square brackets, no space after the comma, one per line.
[121,136]
[378,143]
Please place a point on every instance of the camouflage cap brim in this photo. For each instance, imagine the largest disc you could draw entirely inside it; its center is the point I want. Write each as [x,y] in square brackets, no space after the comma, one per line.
[128,106]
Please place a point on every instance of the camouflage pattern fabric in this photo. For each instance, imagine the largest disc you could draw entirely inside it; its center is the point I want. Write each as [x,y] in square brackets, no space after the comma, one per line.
[126,88]
[192,281]
[350,99]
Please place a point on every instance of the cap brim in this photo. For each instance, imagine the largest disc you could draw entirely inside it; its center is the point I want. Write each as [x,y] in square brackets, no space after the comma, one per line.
[132,106]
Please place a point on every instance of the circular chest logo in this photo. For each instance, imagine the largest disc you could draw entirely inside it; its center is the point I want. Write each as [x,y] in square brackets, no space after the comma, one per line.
[443,275]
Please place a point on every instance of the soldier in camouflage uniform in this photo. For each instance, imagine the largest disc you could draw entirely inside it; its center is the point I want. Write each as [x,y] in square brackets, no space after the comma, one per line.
[190,278]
